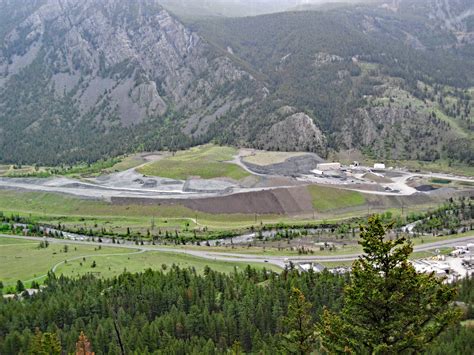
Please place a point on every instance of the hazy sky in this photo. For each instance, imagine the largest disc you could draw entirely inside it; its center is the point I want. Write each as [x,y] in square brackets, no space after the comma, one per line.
[239,7]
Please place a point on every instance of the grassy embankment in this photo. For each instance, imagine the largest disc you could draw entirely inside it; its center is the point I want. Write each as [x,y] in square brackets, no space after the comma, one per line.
[326,199]
[206,162]
[439,166]
[330,205]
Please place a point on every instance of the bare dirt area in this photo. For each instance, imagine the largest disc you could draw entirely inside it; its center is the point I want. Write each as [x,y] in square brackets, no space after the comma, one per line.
[293,166]
[377,178]
[362,187]
[149,157]
[278,201]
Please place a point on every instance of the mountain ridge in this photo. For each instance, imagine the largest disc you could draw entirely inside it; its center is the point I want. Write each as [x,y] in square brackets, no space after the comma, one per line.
[115,70]
[85,80]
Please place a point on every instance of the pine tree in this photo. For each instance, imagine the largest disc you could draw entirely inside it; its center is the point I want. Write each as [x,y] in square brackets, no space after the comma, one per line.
[20,287]
[45,344]
[300,338]
[388,306]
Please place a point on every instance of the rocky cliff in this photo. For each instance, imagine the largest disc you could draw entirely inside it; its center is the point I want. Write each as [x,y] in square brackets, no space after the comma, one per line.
[82,80]
[110,64]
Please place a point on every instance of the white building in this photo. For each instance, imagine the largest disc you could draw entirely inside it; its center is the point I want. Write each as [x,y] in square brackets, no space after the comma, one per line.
[428,266]
[311,266]
[379,166]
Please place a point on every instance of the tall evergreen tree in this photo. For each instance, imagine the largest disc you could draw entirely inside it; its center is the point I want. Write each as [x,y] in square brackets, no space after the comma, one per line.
[20,287]
[300,338]
[45,344]
[388,307]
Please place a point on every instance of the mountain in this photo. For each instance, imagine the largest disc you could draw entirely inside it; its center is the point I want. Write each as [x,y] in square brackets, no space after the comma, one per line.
[85,80]
[393,79]
[81,79]
[240,8]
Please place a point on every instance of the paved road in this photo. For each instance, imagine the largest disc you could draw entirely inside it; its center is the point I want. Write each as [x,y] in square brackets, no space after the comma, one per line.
[250,258]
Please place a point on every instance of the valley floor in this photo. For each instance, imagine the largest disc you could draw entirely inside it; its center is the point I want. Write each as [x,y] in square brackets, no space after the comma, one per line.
[23,259]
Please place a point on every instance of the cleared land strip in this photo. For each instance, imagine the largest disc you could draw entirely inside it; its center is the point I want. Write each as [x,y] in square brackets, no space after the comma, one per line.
[251,258]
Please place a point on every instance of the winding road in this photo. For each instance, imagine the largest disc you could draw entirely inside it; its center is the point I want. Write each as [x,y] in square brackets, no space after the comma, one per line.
[279,260]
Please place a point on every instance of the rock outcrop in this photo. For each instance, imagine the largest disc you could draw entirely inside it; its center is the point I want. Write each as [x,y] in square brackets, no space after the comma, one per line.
[296,132]
[104,65]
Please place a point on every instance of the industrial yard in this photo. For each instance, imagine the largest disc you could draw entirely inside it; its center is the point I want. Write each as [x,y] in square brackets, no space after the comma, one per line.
[220,171]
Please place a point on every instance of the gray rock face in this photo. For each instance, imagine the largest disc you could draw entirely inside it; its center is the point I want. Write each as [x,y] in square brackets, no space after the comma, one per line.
[131,56]
[296,132]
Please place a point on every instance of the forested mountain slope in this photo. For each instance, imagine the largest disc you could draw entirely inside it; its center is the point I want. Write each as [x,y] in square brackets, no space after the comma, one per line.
[83,80]
[380,78]
[75,76]
[235,8]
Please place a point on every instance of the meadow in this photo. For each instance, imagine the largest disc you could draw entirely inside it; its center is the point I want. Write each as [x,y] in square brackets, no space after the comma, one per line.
[207,162]
[109,266]
[24,260]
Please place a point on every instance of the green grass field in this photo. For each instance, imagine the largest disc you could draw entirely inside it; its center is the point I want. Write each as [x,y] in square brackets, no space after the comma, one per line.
[110,266]
[9,242]
[24,260]
[207,162]
[77,171]
[326,198]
